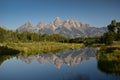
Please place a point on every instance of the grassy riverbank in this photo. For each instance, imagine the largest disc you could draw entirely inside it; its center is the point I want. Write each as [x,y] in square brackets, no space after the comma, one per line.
[109,58]
[39,47]
[111,52]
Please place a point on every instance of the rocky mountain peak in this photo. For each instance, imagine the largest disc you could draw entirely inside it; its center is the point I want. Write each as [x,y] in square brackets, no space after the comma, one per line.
[25,27]
[72,21]
[41,24]
[27,24]
[57,21]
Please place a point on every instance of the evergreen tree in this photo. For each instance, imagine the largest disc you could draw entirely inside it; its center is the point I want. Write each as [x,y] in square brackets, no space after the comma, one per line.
[112,26]
[118,31]
[2,34]
[108,38]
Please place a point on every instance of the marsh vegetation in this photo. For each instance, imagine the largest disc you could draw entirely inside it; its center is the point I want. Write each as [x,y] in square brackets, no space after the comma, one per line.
[109,58]
[38,47]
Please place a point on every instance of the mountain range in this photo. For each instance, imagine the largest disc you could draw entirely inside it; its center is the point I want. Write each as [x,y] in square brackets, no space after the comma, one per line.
[70,28]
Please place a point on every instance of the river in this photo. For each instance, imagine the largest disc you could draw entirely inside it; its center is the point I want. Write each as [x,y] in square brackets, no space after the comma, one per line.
[70,64]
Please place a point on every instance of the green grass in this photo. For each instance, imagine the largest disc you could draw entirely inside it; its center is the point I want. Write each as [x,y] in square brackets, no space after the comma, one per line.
[39,47]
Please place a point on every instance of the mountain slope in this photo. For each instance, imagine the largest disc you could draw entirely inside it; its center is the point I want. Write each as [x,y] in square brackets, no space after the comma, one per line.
[69,28]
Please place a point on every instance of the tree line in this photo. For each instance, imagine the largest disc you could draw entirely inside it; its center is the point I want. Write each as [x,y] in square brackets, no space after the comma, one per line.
[15,36]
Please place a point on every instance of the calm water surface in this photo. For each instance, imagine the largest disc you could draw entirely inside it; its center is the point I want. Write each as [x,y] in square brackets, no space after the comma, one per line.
[72,64]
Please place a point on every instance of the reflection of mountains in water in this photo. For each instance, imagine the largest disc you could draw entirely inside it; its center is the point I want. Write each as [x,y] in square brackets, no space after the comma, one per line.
[70,57]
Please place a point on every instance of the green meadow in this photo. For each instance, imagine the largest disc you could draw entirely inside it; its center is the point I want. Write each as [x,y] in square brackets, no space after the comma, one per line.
[38,47]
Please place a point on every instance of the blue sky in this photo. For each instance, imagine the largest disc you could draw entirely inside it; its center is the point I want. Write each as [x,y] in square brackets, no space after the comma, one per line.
[99,13]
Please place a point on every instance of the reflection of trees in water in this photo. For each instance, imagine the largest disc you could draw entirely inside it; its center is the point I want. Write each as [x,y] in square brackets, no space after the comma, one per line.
[109,67]
[109,60]
[4,57]
[4,50]
[6,53]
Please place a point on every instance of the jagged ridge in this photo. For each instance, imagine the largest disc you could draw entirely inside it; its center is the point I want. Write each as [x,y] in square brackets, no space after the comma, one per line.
[68,28]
